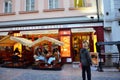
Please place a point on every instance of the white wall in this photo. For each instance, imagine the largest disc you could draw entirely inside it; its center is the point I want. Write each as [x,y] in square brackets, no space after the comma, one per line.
[115,24]
[117,7]
[111,20]
[115,31]
[107,9]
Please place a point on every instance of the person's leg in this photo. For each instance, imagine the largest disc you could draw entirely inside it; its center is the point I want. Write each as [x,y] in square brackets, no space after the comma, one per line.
[83,73]
[51,59]
[88,73]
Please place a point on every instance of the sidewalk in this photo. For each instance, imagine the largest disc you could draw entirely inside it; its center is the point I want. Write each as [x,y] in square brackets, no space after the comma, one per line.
[67,73]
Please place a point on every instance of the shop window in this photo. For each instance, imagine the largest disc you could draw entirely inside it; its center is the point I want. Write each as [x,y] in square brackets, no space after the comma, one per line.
[65,38]
[53,4]
[65,50]
[8,6]
[30,5]
[82,3]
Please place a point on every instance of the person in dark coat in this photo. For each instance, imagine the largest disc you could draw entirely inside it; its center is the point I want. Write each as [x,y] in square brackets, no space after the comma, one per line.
[85,60]
[15,56]
[16,51]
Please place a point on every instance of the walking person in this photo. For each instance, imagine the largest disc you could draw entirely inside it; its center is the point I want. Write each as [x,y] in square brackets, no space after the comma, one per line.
[86,62]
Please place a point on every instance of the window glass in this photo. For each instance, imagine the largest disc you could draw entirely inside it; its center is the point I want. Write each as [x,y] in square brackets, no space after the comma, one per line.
[30,5]
[27,5]
[82,3]
[8,6]
[53,4]
[65,50]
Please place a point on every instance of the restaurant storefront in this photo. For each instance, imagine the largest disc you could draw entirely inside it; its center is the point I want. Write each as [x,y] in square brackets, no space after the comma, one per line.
[72,35]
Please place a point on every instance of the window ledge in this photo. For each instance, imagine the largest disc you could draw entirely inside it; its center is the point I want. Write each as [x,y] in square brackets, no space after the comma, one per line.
[72,8]
[53,10]
[80,8]
[7,14]
[28,12]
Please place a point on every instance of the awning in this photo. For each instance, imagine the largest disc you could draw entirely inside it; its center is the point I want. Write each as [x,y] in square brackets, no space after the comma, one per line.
[50,21]
[76,30]
[55,31]
[23,41]
[46,27]
[54,41]
[10,41]
[6,41]
[3,33]
[108,43]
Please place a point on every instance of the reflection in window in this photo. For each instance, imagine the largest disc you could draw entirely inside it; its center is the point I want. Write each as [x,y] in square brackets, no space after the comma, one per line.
[82,3]
[53,4]
[30,5]
[8,6]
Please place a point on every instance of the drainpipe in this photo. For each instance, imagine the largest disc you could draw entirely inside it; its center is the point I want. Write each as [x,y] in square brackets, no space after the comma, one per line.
[97,8]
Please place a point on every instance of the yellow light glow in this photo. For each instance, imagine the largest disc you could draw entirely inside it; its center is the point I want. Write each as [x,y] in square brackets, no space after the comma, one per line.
[95,40]
[65,50]
[17,34]
[19,46]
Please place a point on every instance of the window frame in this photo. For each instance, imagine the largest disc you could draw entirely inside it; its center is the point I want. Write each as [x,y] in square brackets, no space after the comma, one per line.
[54,4]
[30,7]
[7,9]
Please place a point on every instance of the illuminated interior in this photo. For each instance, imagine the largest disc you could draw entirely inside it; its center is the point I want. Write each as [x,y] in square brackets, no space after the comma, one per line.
[65,49]
[78,35]
[95,40]
[19,46]
[82,3]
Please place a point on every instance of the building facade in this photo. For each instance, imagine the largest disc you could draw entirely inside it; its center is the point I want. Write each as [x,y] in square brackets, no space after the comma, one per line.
[111,23]
[70,21]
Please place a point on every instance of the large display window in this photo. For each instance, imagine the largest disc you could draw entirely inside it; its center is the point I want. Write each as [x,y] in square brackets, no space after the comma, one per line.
[65,50]
[65,36]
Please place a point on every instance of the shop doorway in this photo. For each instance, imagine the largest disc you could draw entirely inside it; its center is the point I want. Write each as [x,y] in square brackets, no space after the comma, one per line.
[78,38]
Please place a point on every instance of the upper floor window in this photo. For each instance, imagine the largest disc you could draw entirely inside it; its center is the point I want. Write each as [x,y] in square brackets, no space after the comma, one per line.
[82,3]
[53,4]
[30,5]
[8,6]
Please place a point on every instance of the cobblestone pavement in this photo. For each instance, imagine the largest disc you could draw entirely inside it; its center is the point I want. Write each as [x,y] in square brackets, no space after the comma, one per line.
[67,73]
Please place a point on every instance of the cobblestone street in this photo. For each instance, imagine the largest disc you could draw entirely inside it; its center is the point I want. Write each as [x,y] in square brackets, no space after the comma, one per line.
[67,73]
